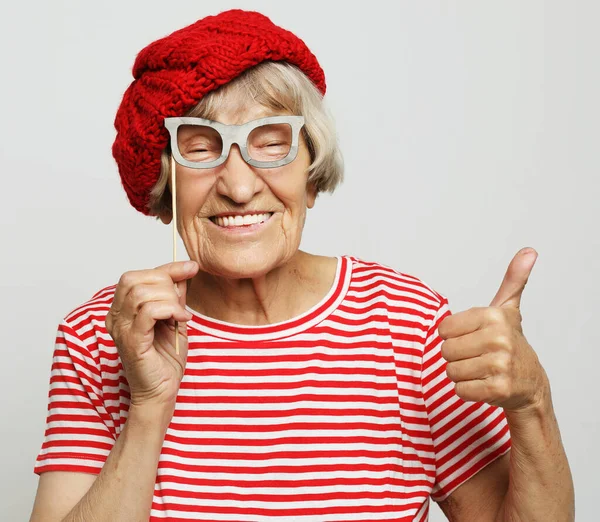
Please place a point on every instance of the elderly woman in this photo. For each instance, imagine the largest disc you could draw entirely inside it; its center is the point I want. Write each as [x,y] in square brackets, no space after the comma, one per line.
[306,387]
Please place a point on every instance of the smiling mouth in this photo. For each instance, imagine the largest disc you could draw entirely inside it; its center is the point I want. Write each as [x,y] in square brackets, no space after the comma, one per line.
[240,221]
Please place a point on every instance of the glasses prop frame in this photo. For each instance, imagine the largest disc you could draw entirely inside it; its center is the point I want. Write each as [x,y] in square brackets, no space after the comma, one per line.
[237,134]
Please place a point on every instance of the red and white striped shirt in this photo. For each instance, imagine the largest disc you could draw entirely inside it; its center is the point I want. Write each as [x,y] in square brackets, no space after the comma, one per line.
[344,413]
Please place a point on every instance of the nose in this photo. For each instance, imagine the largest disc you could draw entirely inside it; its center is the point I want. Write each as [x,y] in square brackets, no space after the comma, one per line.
[237,180]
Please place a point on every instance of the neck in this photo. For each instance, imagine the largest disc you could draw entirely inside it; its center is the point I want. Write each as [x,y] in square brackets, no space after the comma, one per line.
[281,294]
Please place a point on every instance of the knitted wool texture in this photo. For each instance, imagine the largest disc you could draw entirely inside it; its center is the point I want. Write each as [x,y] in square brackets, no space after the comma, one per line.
[172,74]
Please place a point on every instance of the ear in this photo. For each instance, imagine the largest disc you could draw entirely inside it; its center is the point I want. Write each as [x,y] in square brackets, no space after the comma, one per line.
[166,216]
[311,195]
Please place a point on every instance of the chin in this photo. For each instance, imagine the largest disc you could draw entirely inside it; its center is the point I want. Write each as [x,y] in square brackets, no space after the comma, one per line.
[244,264]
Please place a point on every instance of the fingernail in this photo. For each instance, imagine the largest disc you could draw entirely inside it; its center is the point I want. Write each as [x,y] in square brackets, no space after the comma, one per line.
[189,265]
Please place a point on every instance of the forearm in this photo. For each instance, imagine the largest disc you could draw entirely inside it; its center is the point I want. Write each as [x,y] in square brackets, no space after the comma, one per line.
[540,482]
[124,488]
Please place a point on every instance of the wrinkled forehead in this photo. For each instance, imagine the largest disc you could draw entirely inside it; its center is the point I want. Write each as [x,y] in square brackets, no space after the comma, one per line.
[241,115]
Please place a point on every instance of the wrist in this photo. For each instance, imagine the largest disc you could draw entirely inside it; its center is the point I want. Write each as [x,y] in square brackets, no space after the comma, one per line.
[539,407]
[151,417]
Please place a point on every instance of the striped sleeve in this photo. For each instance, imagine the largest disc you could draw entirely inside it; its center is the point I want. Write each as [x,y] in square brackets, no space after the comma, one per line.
[79,433]
[467,436]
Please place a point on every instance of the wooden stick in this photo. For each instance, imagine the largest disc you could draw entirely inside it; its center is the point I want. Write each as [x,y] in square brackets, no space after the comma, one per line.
[174,208]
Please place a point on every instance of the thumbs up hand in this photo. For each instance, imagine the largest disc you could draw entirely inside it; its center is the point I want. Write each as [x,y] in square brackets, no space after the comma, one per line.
[488,356]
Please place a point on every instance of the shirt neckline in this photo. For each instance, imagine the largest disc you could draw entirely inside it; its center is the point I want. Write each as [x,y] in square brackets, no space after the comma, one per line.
[297,324]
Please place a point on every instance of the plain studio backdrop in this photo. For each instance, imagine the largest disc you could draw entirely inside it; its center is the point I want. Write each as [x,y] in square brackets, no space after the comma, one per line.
[469,130]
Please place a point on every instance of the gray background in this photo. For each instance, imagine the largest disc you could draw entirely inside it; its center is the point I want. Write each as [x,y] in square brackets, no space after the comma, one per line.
[470,130]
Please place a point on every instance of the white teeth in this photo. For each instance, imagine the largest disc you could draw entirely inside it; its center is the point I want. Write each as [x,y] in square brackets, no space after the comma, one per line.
[236,221]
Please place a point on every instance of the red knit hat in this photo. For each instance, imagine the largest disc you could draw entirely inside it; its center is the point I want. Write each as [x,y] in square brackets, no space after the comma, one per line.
[174,73]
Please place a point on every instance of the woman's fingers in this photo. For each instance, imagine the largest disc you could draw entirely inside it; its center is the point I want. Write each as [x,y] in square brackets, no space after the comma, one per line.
[154,311]
[141,294]
[137,288]
[167,274]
